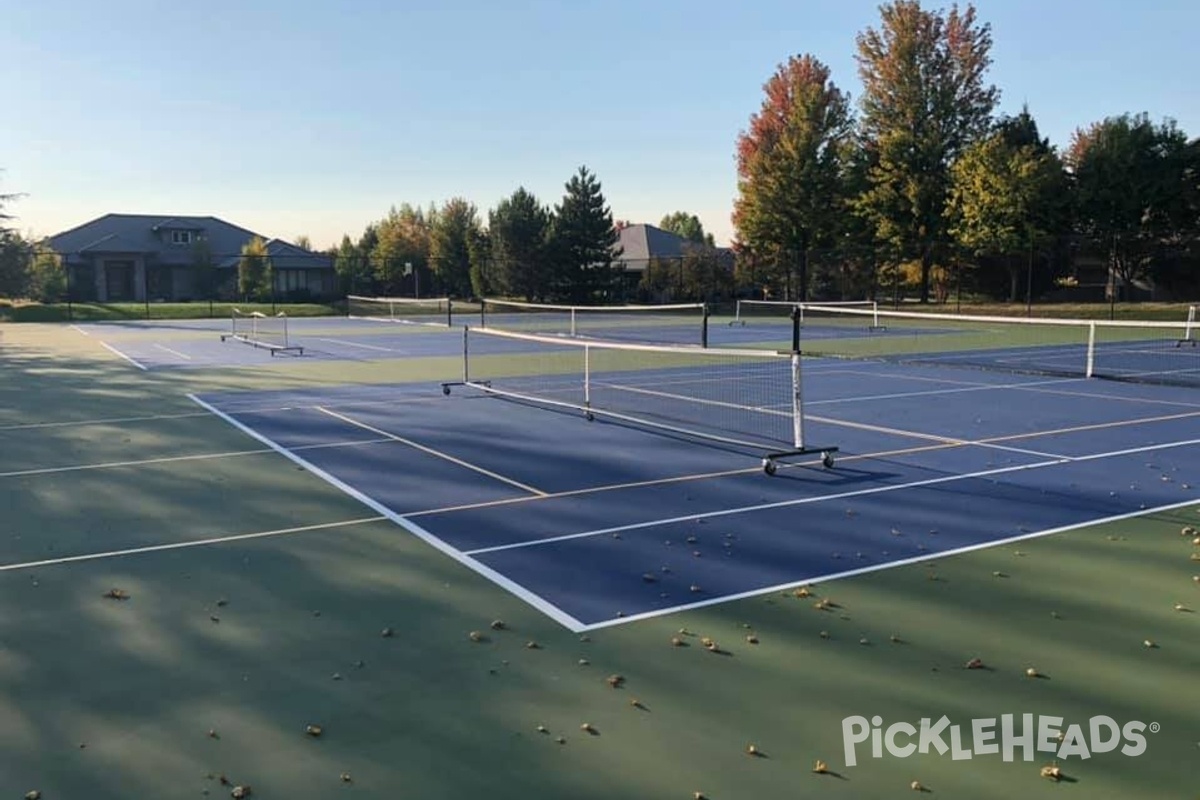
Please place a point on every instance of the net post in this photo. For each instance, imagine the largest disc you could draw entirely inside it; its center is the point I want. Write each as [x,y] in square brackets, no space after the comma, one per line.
[1189,328]
[737,313]
[1091,350]
[466,371]
[797,315]
[587,377]
[704,327]
[574,324]
[797,404]
[286,339]
[449,313]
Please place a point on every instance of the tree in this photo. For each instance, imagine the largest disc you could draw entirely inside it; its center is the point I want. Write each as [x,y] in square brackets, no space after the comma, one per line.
[47,278]
[255,278]
[1006,197]
[1130,182]
[402,237]
[452,236]
[352,267]
[925,100]
[687,226]
[583,242]
[15,255]
[519,227]
[789,167]
[303,242]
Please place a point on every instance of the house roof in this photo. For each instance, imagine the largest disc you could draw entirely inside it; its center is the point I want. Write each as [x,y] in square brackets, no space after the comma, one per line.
[137,234]
[643,242]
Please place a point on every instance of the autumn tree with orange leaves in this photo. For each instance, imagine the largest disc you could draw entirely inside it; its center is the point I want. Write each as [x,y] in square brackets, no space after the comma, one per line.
[789,171]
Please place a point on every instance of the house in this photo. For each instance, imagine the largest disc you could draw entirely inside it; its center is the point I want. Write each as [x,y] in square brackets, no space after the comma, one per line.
[642,245]
[146,257]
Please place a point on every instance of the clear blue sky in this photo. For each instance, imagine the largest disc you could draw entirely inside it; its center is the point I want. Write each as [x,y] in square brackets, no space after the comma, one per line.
[314,117]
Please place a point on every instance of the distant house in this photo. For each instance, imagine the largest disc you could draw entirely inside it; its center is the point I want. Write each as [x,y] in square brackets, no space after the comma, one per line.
[641,244]
[145,257]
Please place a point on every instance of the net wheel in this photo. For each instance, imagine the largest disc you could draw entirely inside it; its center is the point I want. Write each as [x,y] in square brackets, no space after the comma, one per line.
[445,390]
[590,417]
[827,460]
[769,466]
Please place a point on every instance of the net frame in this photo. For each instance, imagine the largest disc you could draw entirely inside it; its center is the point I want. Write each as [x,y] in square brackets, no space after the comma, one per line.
[394,303]
[1094,328]
[590,410]
[574,313]
[806,306]
[256,334]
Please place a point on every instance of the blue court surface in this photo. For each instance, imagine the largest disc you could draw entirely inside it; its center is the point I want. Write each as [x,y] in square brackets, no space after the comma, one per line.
[599,523]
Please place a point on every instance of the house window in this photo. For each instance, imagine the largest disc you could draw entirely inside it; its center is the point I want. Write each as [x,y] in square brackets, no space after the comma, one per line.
[181,237]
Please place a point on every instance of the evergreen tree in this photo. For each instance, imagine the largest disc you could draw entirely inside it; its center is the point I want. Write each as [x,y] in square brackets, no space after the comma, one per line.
[452,236]
[519,227]
[583,243]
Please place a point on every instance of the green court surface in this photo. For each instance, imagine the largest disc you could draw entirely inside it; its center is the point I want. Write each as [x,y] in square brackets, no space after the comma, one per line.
[261,600]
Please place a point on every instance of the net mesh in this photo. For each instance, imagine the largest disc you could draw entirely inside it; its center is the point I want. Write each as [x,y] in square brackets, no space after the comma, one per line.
[779,312]
[406,310]
[1140,351]
[684,323]
[744,398]
[268,331]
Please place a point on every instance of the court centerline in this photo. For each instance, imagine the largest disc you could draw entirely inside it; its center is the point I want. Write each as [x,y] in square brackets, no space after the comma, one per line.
[728,512]
[120,354]
[433,452]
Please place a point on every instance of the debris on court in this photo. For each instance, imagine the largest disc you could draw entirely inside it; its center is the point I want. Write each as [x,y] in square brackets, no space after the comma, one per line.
[33,794]
[975,663]
[615,681]
[386,633]
[346,778]
[752,750]
[116,594]
[1052,772]
[821,768]
[1032,672]
[499,625]
[475,636]
[916,786]
[240,792]
[313,730]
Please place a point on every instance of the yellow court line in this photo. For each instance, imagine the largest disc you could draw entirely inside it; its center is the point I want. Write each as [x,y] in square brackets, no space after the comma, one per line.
[431,451]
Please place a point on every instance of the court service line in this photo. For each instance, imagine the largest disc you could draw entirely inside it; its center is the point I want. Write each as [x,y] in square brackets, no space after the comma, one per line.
[118,353]
[431,451]
[24,473]
[978,387]
[158,548]
[727,512]
[348,343]
[927,556]
[541,604]
[166,349]
[950,440]
[78,329]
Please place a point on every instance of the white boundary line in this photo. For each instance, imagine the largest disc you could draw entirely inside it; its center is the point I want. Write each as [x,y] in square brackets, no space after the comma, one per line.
[78,329]
[166,349]
[118,353]
[158,548]
[102,421]
[880,567]
[729,512]
[21,473]
[347,343]
[547,608]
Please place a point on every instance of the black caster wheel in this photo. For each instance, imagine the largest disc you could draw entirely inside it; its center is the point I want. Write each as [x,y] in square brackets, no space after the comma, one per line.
[769,466]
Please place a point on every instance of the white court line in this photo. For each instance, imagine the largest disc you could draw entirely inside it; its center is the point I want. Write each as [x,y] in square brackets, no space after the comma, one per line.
[430,451]
[356,344]
[728,512]
[101,421]
[514,588]
[949,440]
[979,387]
[812,579]
[80,330]
[117,352]
[163,347]
[158,548]
[24,473]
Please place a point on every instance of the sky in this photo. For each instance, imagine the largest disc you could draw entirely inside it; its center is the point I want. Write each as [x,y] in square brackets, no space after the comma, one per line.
[313,117]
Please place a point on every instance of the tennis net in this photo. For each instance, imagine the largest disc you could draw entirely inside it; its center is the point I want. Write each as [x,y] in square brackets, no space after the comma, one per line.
[680,323]
[770,312]
[1161,352]
[436,311]
[266,331]
[745,399]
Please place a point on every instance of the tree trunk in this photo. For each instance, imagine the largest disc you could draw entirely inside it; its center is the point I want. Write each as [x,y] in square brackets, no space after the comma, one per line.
[926,272]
